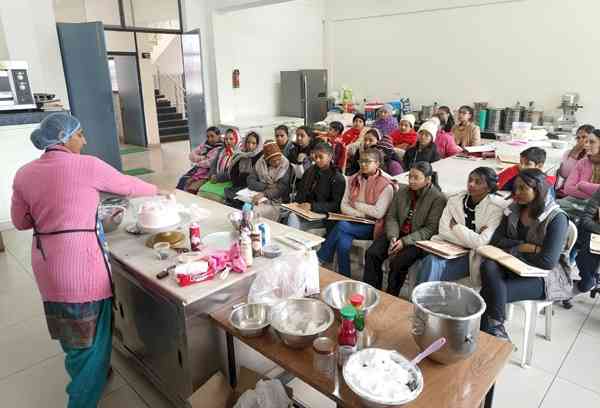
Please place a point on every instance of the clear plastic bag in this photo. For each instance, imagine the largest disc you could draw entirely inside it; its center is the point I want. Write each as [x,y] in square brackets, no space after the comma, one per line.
[267,394]
[292,275]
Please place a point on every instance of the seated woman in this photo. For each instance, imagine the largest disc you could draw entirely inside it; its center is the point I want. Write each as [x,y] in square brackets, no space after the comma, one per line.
[446,145]
[406,135]
[391,162]
[588,262]
[584,180]
[271,179]
[425,149]
[219,176]
[201,158]
[413,216]
[534,229]
[320,190]
[368,194]
[572,156]
[469,220]
[282,137]
[386,122]
[299,156]
[334,138]
[242,165]
[357,131]
[465,132]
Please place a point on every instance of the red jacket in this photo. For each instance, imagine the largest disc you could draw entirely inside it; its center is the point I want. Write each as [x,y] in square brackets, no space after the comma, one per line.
[399,138]
[508,175]
[350,136]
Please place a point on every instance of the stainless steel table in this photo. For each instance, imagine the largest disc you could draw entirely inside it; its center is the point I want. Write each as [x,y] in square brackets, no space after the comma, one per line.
[164,328]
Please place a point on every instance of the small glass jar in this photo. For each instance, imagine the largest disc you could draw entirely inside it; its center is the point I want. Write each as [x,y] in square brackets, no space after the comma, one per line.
[161,249]
[324,358]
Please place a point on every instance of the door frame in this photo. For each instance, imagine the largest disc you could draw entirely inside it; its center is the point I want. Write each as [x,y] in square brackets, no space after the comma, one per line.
[139,77]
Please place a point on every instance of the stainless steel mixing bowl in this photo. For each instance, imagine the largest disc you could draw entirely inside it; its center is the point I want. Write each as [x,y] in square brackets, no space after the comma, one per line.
[111,216]
[251,319]
[300,313]
[337,295]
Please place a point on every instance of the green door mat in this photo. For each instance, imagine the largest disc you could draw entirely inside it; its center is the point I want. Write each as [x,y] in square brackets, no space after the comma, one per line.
[134,149]
[138,171]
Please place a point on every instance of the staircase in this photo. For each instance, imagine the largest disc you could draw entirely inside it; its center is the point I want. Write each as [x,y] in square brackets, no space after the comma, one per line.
[172,127]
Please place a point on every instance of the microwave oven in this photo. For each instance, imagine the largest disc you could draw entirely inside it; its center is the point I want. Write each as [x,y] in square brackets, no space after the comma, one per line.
[15,88]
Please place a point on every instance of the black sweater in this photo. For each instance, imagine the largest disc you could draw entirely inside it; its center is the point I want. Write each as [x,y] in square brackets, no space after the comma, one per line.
[324,190]
[551,248]
[428,154]
[238,179]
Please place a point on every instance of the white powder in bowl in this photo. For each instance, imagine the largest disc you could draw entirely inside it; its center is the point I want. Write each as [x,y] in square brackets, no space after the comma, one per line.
[374,374]
[300,323]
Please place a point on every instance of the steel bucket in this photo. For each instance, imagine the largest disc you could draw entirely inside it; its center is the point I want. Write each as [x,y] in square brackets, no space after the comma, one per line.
[450,310]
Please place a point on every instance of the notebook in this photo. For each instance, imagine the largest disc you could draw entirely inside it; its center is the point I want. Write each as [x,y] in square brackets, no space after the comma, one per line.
[595,244]
[246,195]
[442,249]
[306,214]
[512,263]
[344,217]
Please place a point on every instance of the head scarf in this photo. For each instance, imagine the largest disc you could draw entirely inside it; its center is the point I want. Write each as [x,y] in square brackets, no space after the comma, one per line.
[230,150]
[270,175]
[241,155]
[388,124]
[55,129]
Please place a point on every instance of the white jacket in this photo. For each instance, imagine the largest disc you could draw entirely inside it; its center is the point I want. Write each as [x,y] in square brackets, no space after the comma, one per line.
[488,213]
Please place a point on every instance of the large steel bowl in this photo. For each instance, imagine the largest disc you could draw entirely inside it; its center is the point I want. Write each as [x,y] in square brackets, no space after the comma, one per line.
[337,295]
[356,372]
[251,319]
[450,310]
[310,318]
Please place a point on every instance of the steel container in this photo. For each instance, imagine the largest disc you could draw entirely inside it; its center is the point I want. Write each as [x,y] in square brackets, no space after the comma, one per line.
[450,310]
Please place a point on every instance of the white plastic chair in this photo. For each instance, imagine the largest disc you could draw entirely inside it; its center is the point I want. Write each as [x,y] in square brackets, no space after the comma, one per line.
[532,309]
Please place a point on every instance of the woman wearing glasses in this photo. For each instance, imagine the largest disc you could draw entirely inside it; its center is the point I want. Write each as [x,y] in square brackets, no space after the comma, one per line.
[466,133]
[368,194]
[413,216]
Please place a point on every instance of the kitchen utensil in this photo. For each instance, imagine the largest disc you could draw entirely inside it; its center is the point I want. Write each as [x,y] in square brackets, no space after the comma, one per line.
[372,370]
[250,319]
[449,310]
[435,346]
[173,238]
[111,217]
[161,249]
[299,321]
[337,295]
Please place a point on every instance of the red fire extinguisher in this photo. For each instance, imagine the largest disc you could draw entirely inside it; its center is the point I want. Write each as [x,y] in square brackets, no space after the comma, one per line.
[235,78]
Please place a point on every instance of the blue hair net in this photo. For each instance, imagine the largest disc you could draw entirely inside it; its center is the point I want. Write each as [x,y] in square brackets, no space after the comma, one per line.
[55,129]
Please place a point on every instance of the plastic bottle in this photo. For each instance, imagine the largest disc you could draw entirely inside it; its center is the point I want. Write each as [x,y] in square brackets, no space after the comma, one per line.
[246,248]
[257,246]
[357,300]
[347,336]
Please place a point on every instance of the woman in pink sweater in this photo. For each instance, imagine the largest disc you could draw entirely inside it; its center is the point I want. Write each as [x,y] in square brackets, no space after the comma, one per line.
[57,196]
[584,179]
[445,143]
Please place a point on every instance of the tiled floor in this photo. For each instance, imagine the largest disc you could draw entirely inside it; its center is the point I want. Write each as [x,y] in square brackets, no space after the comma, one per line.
[565,371]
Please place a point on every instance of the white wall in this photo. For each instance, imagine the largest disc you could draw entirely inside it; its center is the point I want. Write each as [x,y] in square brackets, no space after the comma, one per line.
[34,39]
[261,42]
[3,48]
[170,61]
[456,53]
[69,11]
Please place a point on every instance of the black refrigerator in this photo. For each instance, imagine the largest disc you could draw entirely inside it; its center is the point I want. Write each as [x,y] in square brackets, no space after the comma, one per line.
[304,94]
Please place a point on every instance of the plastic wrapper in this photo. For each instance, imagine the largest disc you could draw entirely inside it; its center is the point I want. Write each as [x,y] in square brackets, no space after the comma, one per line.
[268,394]
[289,277]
